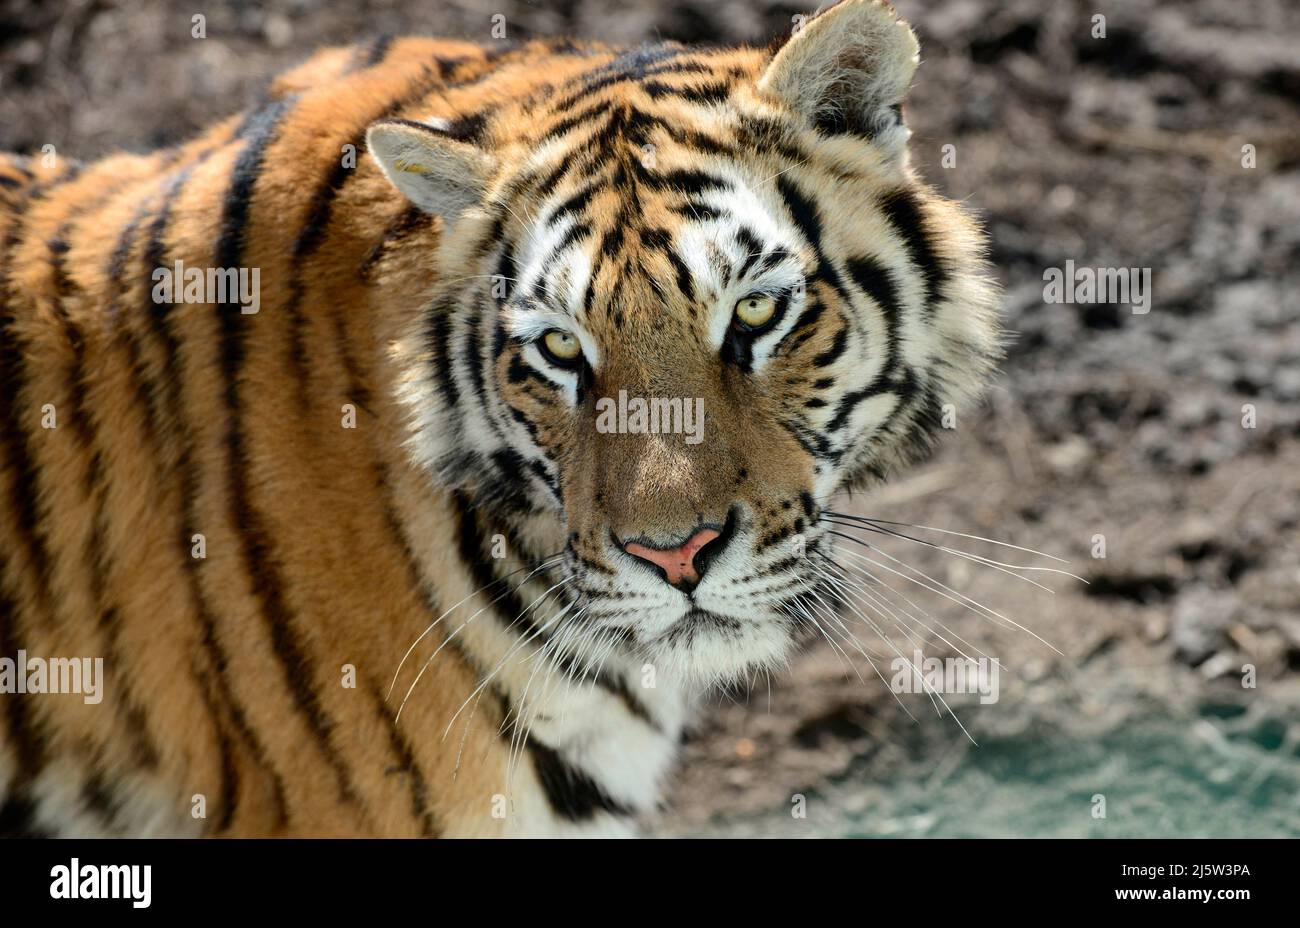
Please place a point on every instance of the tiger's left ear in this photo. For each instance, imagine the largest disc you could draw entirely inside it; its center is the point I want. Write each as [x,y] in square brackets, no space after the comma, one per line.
[847,70]
[436,171]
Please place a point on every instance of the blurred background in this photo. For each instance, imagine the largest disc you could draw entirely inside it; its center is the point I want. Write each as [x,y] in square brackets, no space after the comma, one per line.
[1122,151]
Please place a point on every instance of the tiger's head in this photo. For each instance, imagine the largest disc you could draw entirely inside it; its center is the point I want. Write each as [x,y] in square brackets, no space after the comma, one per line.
[683,297]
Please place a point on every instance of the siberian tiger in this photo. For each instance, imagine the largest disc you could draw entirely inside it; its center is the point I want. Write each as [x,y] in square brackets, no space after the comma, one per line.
[393,554]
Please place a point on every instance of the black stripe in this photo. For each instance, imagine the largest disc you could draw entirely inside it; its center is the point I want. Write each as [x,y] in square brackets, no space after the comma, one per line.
[696,211]
[18,817]
[143,747]
[575,203]
[58,248]
[685,283]
[688,181]
[803,327]
[703,94]
[14,439]
[259,130]
[476,343]
[705,144]
[100,797]
[155,255]
[401,747]
[467,127]
[406,222]
[542,185]
[656,238]
[572,121]
[220,662]
[439,342]
[96,550]
[752,247]
[572,794]
[124,335]
[610,244]
[661,240]
[904,211]
[312,233]
[574,233]
[19,163]
[806,216]
[832,354]
[768,133]
[358,391]
[415,576]
[229,773]
[849,402]
[260,560]
[815,444]
[802,211]
[897,381]
[876,282]
[25,733]
[473,553]
[372,53]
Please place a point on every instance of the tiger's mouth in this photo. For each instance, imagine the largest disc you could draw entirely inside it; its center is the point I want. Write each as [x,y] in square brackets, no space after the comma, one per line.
[723,596]
[697,619]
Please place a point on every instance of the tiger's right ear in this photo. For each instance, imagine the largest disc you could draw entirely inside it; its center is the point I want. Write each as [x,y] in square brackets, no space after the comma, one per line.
[438,173]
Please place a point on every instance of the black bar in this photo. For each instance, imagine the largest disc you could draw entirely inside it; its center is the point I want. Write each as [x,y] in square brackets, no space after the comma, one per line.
[918,878]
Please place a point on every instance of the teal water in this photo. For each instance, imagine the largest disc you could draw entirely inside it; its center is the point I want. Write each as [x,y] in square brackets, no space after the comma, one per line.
[1221,774]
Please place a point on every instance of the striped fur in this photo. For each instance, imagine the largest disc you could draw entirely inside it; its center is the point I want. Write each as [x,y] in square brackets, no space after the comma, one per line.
[631,196]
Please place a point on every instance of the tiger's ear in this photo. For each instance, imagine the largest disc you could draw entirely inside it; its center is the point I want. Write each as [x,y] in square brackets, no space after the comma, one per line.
[438,173]
[847,70]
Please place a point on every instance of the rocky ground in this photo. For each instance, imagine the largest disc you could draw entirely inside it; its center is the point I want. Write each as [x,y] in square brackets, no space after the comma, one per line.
[1123,151]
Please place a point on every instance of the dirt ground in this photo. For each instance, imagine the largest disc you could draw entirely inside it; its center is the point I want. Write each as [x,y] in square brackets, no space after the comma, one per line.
[1123,151]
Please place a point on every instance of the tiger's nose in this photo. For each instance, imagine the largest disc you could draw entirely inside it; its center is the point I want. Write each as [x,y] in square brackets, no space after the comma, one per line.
[684,565]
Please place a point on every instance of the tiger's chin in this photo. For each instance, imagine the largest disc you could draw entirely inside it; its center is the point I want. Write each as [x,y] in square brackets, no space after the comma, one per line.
[706,648]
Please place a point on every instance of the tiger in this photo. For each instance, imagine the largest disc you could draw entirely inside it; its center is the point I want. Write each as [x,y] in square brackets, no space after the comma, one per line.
[387,550]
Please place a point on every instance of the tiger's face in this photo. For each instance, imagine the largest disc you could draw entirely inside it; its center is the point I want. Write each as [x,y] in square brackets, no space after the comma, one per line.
[683,298]
[657,359]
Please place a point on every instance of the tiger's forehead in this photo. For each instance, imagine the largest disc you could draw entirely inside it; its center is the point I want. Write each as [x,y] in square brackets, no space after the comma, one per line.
[613,247]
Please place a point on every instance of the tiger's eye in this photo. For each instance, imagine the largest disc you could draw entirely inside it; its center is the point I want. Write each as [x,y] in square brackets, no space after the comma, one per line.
[755,311]
[561,345]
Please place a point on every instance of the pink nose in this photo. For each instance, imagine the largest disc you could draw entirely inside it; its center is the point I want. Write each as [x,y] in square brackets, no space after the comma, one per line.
[678,564]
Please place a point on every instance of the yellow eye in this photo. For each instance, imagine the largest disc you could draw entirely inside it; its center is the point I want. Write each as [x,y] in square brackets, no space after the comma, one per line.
[756,311]
[561,346]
